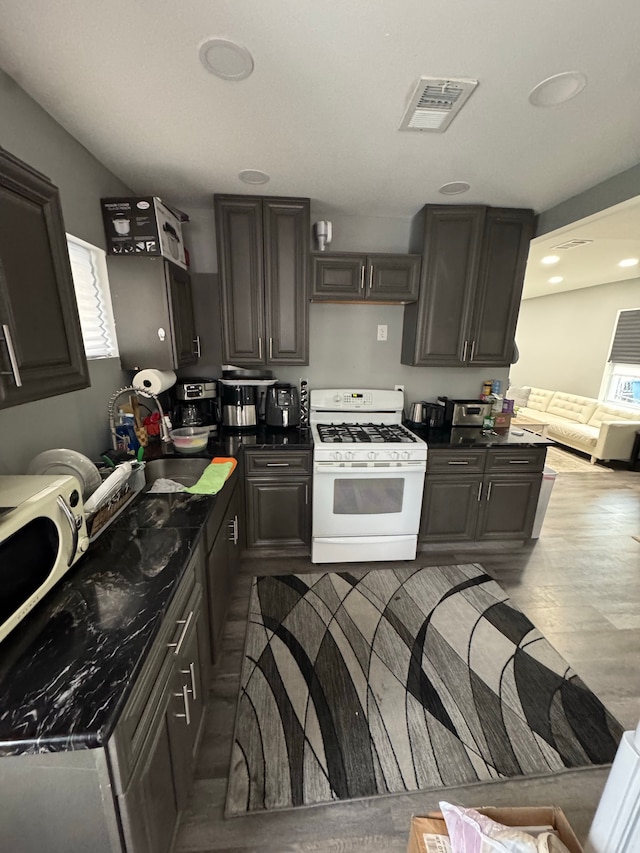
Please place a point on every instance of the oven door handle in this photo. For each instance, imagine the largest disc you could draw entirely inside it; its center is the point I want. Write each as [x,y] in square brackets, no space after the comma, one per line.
[350,470]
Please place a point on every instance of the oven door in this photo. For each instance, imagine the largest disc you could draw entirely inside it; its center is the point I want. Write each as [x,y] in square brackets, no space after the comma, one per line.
[367,499]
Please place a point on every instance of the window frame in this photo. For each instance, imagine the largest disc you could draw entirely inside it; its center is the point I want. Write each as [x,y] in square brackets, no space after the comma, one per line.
[101,276]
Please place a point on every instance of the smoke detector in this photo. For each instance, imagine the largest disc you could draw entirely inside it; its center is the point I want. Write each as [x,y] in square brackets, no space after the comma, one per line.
[434,103]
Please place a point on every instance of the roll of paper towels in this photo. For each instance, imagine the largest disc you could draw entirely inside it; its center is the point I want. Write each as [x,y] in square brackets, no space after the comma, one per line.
[154,381]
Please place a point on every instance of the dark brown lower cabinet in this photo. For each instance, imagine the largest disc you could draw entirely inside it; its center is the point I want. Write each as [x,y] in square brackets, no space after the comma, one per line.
[278,499]
[468,497]
[223,555]
[156,793]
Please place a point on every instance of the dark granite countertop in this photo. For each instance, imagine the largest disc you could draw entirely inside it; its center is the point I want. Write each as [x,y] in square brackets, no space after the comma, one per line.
[67,670]
[475,437]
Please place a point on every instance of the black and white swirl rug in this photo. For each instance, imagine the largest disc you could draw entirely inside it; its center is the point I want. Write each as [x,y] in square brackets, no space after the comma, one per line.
[400,680]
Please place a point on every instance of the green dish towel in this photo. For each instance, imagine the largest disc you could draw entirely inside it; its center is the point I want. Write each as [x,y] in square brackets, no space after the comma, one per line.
[212,480]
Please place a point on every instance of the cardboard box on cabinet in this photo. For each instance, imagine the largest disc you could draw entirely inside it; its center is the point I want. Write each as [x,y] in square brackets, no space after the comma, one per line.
[144,226]
[429,833]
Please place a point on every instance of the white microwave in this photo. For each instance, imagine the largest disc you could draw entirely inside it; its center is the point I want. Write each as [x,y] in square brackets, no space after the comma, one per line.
[42,534]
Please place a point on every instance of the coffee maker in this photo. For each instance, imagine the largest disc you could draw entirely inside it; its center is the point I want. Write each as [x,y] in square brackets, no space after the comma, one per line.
[196,404]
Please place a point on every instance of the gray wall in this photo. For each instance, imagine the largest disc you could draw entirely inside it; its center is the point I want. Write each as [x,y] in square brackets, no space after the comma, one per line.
[77,420]
[343,347]
[564,338]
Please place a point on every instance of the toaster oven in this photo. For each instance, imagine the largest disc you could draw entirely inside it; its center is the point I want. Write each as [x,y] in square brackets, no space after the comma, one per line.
[458,413]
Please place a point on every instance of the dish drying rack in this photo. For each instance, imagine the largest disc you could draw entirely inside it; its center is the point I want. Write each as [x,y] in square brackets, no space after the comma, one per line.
[114,499]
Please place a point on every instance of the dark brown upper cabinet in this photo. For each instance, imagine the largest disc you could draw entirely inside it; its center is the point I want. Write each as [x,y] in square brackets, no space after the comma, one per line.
[473,266]
[352,277]
[263,260]
[41,349]
[153,310]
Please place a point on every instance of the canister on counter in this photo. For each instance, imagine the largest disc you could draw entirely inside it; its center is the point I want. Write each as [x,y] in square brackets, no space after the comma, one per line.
[496,386]
[486,388]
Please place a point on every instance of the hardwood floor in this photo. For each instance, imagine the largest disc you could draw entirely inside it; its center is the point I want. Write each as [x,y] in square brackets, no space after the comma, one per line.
[579,583]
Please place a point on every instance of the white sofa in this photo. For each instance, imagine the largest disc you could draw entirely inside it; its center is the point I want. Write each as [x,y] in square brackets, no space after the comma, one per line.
[599,429]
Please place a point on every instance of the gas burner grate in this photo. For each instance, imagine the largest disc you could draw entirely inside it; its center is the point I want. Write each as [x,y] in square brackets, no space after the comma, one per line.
[361,433]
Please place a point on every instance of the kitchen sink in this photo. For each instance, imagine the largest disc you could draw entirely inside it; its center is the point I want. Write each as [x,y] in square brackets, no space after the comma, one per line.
[185,471]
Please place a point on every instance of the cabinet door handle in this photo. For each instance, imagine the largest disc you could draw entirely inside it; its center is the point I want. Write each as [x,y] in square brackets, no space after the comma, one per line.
[362,277]
[480,490]
[457,463]
[13,361]
[187,710]
[370,278]
[277,464]
[192,673]
[270,348]
[306,493]
[233,530]
[473,349]
[260,348]
[489,490]
[196,346]
[464,351]
[185,627]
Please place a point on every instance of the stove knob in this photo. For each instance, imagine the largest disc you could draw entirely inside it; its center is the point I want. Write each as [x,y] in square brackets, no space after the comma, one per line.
[336,454]
[372,454]
[337,398]
[348,454]
[394,454]
[405,454]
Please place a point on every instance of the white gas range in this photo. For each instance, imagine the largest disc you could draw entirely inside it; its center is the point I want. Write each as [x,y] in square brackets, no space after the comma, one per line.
[368,477]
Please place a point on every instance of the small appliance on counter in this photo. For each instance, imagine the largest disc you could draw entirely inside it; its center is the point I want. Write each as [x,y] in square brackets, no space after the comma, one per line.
[243,395]
[464,413]
[425,414]
[282,407]
[195,404]
[239,405]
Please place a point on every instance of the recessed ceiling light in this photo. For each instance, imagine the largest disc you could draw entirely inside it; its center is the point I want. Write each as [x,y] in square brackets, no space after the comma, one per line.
[557,89]
[226,59]
[550,259]
[555,279]
[628,262]
[253,176]
[455,188]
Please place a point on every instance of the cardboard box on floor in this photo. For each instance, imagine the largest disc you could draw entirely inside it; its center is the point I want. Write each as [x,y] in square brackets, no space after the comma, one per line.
[433,824]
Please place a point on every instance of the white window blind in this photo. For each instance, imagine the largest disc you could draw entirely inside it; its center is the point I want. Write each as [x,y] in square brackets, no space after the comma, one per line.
[89,270]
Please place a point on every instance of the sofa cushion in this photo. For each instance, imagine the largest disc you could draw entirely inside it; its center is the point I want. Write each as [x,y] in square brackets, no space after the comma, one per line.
[533,416]
[573,433]
[605,412]
[539,399]
[572,407]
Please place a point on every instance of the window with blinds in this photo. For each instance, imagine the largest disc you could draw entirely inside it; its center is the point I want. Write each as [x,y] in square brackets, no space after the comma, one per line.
[622,377]
[89,270]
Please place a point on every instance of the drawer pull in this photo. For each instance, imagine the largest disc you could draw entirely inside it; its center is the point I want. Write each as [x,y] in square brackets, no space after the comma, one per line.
[457,463]
[277,464]
[233,530]
[192,673]
[187,710]
[519,461]
[185,623]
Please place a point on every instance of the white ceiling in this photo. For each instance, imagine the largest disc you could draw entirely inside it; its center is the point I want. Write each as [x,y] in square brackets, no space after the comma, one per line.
[320,114]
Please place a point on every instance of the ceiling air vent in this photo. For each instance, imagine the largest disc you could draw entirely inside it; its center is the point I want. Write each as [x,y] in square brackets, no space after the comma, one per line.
[435,102]
[572,244]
